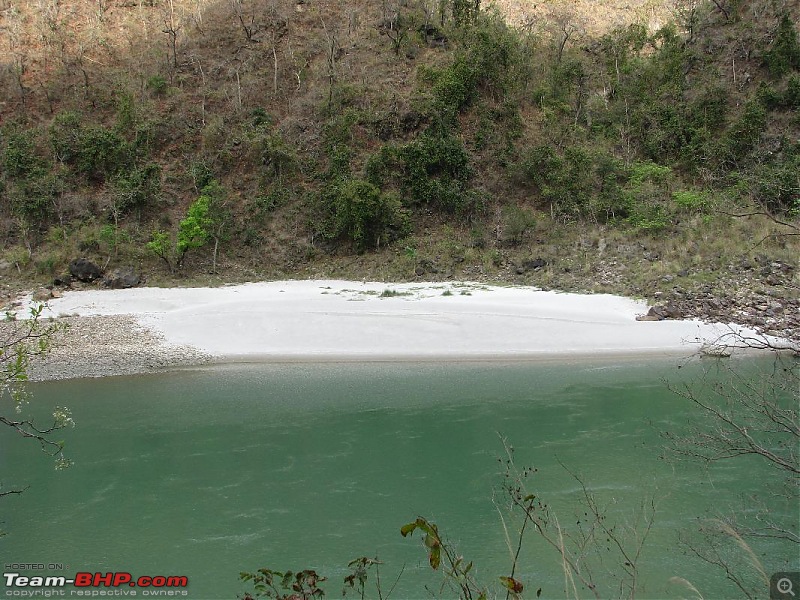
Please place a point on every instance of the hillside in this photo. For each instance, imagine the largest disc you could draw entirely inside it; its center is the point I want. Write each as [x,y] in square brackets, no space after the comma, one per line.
[614,147]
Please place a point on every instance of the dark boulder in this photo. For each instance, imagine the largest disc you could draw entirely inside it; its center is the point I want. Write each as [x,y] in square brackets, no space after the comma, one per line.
[121,278]
[85,270]
[661,312]
[63,280]
[532,265]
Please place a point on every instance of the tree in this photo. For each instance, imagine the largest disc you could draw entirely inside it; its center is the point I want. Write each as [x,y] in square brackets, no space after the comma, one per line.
[745,415]
[21,341]
[206,219]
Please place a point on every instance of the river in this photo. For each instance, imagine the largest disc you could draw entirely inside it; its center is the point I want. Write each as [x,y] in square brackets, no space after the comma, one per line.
[212,471]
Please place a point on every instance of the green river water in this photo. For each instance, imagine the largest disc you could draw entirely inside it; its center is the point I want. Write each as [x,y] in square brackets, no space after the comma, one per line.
[209,472]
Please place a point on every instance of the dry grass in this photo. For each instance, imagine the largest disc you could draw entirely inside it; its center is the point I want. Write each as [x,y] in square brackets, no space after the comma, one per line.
[590,16]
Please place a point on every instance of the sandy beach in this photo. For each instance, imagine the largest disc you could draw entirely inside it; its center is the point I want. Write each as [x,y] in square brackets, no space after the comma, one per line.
[148,329]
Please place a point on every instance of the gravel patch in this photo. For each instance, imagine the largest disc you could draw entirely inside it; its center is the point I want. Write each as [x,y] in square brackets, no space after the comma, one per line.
[110,345]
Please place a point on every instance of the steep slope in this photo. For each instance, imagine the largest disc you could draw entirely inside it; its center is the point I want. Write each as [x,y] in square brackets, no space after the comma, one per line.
[275,138]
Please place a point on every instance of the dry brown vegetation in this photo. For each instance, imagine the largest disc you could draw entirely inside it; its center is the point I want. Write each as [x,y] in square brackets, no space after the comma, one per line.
[258,94]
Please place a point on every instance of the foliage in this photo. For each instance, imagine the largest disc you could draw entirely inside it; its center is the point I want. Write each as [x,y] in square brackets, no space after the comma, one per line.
[432,170]
[33,199]
[193,231]
[456,570]
[22,341]
[436,169]
[789,99]
[157,85]
[783,56]
[743,134]
[499,112]
[577,183]
[691,200]
[19,159]
[516,223]
[645,196]
[111,237]
[490,53]
[204,220]
[284,585]
[138,188]
[364,215]
[278,159]
[775,186]
[100,153]
[160,244]
[465,12]
[201,174]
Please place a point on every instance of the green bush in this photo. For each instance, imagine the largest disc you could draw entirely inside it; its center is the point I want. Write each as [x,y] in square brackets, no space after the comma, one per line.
[486,62]
[157,85]
[65,132]
[578,183]
[96,152]
[645,194]
[691,200]
[773,99]
[465,12]
[195,229]
[201,174]
[776,185]
[364,215]
[19,158]
[138,188]
[783,55]
[436,169]
[744,133]
[277,157]
[160,244]
[101,153]
[516,221]
[34,199]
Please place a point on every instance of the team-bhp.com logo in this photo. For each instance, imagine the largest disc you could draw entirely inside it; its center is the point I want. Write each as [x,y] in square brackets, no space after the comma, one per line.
[157,585]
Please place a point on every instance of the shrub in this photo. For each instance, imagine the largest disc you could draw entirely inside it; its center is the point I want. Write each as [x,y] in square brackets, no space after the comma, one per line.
[776,185]
[19,159]
[277,157]
[744,133]
[195,229]
[578,183]
[691,200]
[157,85]
[516,221]
[364,215]
[465,12]
[436,169]
[65,137]
[201,174]
[101,153]
[138,188]
[783,55]
[160,244]
[645,194]
[33,199]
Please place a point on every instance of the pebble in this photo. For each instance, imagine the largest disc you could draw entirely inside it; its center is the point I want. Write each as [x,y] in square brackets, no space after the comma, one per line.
[109,345]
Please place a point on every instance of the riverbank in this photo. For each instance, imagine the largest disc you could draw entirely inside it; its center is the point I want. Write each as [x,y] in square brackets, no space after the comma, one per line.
[113,332]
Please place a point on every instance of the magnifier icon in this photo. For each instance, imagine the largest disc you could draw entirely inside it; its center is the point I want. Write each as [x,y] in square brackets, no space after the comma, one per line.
[784,586]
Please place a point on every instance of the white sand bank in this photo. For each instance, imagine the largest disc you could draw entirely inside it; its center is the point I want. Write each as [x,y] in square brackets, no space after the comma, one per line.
[349,320]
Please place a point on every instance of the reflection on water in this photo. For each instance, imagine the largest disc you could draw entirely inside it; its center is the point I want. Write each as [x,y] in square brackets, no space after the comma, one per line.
[210,472]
